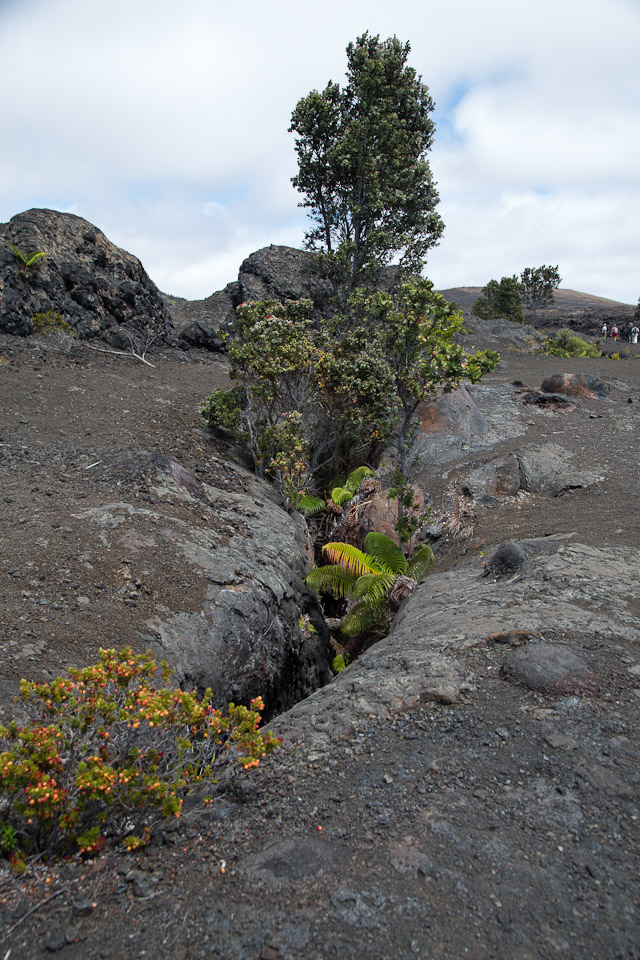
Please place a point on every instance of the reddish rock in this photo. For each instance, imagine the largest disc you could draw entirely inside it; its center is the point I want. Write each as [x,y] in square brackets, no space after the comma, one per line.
[453,413]
[576,385]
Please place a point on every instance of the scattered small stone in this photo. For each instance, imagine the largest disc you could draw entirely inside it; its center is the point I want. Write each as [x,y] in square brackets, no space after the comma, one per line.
[55,940]
[82,907]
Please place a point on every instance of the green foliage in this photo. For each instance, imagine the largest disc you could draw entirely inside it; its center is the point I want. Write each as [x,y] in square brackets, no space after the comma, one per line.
[108,749]
[275,409]
[564,343]
[410,517]
[311,505]
[363,169]
[8,839]
[536,287]
[342,493]
[50,322]
[411,335]
[367,577]
[314,398]
[500,300]
[25,260]
[339,663]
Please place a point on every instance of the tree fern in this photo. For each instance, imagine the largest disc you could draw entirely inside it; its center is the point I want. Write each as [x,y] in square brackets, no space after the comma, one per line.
[310,504]
[374,587]
[420,564]
[387,553]
[342,494]
[352,559]
[363,618]
[367,576]
[332,579]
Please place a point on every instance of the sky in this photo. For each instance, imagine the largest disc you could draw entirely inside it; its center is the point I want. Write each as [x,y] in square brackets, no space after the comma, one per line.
[166,126]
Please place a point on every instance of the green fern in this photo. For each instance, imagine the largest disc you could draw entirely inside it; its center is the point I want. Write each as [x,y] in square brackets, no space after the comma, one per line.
[332,579]
[387,553]
[26,260]
[341,494]
[367,576]
[310,504]
[339,663]
[352,559]
[421,563]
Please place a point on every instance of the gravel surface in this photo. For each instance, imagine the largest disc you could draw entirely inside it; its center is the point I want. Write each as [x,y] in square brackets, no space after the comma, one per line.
[494,816]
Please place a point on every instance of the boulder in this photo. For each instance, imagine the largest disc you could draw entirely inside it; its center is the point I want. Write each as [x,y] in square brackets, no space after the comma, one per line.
[238,627]
[494,480]
[576,385]
[271,273]
[550,668]
[546,468]
[453,414]
[99,289]
[199,335]
[507,560]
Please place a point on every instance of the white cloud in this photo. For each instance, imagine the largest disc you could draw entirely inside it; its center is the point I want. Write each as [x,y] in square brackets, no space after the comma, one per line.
[166,126]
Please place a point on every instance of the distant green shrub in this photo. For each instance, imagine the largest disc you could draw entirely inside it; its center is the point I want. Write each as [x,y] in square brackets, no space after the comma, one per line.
[51,322]
[567,344]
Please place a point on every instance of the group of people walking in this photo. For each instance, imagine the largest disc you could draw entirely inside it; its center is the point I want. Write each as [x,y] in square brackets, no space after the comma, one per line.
[629,332]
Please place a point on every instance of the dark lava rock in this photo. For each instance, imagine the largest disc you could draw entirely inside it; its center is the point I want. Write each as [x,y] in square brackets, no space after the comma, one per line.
[247,561]
[507,560]
[199,335]
[494,480]
[576,385]
[546,469]
[99,289]
[271,273]
[553,402]
[550,668]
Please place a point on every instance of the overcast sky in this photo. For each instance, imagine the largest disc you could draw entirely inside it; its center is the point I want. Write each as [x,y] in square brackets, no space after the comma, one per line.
[165,125]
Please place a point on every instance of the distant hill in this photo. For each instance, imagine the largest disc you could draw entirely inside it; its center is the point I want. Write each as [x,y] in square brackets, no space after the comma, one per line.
[571,308]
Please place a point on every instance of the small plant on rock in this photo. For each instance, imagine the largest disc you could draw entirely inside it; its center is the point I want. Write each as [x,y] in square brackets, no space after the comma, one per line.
[25,260]
[108,750]
[51,322]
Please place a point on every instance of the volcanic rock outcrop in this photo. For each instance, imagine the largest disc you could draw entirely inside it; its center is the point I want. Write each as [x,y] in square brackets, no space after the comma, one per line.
[100,290]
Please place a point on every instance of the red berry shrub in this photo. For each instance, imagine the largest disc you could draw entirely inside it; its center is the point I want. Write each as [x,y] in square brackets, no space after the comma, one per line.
[108,749]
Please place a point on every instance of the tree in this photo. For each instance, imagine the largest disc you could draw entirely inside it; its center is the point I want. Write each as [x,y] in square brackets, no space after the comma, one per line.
[412,334]
[536,287]
[363,169]
[500,300]
[311,399]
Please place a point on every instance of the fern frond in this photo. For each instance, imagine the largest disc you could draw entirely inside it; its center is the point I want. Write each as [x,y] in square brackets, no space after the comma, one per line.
[310,504]
[374,587]
[387,553]
[421,562]
[17,252]
[363,617]
[352,559]
[341,495]
[338,664]
[356,477]
[331,579]
[34,257]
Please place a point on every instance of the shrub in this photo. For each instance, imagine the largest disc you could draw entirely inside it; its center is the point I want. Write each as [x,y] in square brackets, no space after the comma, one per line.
[566,344]
[50,322]
[107,750]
